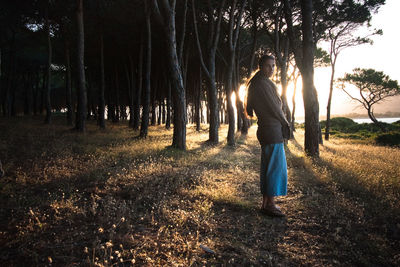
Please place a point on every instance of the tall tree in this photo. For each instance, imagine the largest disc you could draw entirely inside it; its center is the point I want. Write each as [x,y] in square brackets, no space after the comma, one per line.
[82,95]
[101,118]
[147,82]
[214,26]
[305,62]
[373,87]
[167,17]
[341,37]
[49,57]
[68,86]
[233,36]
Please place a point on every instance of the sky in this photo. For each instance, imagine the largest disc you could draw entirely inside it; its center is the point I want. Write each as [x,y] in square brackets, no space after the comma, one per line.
[383,55]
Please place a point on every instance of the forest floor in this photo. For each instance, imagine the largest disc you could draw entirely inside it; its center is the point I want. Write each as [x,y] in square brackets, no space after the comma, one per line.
[106,198]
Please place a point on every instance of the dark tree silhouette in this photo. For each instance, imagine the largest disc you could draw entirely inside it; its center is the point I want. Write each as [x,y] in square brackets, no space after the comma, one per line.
[373,87]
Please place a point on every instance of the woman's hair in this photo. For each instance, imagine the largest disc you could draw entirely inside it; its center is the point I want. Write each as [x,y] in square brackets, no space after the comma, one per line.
[263,59]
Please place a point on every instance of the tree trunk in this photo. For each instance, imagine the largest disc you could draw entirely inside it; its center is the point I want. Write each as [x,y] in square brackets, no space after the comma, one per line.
[159,111]
[36,92]
[328,107]
[163,110]
[198,102]
[293,129]
[209,70]
[229,90]
[49,58]
[374,120]
[68,87]
[102,102]
[176,76]
[310,98]
[168,122]
[145,113]
[138,98]
[82,95]
[117,106]
[153,109]
[43,92]
[253,49]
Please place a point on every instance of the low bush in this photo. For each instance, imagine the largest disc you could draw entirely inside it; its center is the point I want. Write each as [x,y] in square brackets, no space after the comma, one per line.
[340,124]
[388,139]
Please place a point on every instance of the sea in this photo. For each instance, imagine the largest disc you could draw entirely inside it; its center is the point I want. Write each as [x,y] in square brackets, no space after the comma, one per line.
[363,120]
[368,120]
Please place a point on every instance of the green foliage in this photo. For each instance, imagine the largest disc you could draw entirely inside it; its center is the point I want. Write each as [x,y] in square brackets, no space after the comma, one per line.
[373,85]
[388,139]
[346,128]
[321,58]
[340,124]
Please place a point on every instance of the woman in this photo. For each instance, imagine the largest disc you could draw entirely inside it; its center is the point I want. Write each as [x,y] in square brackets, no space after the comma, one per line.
[273,128]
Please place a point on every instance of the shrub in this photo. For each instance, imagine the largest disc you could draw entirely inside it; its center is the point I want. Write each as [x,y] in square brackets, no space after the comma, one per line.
[388,139]
[340,124]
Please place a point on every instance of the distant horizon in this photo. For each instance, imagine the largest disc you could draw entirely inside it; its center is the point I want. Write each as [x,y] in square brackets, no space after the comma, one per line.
[388,114]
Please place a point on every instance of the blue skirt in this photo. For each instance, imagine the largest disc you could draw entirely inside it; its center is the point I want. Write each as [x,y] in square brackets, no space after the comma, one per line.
[273,172]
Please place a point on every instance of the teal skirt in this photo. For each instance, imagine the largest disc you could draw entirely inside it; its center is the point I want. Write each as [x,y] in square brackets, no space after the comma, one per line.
[273,172]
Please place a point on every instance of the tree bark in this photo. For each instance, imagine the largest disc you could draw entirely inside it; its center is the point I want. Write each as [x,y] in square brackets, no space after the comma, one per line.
[168,122]
[49,58]
[305,62]
[138,98]
[102,102]
[117,102]
[145,113]
[233,35]
[209,70]
[198,102]
[176,77]
[82,94]
[153,109]
[68,87]
[310,98]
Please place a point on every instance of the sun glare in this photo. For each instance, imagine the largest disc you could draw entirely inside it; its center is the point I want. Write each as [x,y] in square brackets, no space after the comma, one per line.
[242,92]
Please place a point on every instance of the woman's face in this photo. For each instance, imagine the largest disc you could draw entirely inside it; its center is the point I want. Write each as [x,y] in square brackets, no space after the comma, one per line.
[268,67]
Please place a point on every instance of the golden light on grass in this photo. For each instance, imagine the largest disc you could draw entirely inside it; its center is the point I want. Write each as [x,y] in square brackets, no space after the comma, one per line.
[107,191]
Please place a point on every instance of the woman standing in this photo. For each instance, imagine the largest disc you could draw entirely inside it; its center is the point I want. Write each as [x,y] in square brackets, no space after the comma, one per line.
[273,128]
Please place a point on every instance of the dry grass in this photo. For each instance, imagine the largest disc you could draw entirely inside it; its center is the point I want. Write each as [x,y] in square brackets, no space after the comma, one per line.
[107,198]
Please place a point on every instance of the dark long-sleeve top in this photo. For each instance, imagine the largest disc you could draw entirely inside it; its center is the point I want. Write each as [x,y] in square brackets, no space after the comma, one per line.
[263,98]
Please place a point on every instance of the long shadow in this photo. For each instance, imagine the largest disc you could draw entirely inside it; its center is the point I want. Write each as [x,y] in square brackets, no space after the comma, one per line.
[80,190]
[350,229]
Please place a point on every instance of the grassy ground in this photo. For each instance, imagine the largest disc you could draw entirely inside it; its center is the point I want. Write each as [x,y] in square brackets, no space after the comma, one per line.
[107,198]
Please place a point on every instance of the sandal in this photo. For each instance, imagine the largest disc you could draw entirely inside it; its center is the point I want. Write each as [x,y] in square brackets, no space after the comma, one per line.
[272,211]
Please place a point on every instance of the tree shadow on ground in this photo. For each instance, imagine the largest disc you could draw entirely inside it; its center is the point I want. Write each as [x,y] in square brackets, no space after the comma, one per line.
[342,218]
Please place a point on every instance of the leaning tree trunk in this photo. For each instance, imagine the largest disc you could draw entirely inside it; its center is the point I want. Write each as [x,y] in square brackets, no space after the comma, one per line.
[232,41]
[49,55]
[328,107]
[175,70]
[145,113]
[82,95]
[102,102]
[374,120]
[253,48]
[179,98]
[310,98]
[209,70]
